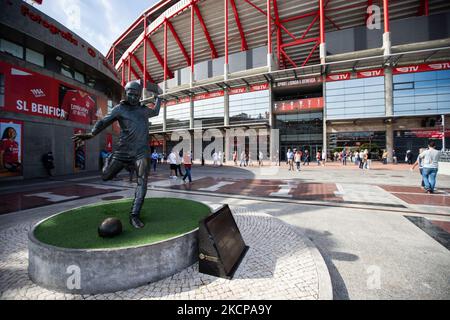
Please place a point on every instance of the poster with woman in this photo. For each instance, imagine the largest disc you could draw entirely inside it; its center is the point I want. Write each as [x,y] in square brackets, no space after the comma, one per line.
[10,148]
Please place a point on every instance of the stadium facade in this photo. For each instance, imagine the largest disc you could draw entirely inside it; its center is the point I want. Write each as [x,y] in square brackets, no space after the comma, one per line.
[327,74]
[52,84]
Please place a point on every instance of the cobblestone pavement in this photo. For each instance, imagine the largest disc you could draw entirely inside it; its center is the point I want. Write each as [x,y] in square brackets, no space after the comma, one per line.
[281,264]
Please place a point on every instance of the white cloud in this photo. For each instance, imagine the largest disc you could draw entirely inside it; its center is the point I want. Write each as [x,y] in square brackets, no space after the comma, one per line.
[99,22]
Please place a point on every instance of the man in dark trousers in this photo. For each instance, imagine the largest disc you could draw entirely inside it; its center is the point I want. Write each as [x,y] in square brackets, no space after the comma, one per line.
[133,147]
[47,161]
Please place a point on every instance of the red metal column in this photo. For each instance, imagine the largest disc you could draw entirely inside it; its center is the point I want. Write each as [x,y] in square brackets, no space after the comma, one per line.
[165,52]
[123,73]
[322,21]
[114,57]
[192,38]
[269,29]
[226,32]
[386,15]
[129,68]
[279,36]
[145,53]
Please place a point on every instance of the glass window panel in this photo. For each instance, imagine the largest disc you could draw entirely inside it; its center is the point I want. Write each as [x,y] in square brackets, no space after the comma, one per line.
[403,100]
[444,74]
[409,77]
[335,85]
[353,83]
[11,48]
[425,84]
[443,82]
[425,99]
[426,91]
[443,97]
[403,86]
[34,57]
[377,88]
[353,97]
[79,77]
[426,106]
[421,76]
[403,93]
[374,81]
[443,90]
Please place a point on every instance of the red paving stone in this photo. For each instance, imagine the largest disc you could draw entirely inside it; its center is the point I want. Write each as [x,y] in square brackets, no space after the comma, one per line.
[407,189]
[22,200]
[445,225]
[264,188]
[424,199]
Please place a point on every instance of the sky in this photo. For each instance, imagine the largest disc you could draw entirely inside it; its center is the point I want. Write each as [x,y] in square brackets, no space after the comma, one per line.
[99,22]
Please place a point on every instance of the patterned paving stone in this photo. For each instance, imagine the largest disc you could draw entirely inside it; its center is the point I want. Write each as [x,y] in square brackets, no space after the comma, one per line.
[279,265]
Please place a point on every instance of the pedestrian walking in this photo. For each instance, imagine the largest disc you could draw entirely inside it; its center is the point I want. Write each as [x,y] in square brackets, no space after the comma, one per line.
[318,158]
[48,162]
[430,162]
[242,159]
[235,155]
[290,158]
[419,163]
[260,158]
[154,160]
[179,161]
[298,160]
[307,158]
[187,161]
[172,159]
[215,159]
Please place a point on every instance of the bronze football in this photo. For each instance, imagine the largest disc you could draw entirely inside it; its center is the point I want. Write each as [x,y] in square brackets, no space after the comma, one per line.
[110,228]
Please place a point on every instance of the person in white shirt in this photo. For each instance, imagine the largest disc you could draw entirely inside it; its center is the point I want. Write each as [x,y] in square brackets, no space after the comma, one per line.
[173,164]
[430,163]
[215,159]
[220,158]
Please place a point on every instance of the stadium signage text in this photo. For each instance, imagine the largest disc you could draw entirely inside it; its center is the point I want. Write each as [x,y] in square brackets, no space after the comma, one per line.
[422,67]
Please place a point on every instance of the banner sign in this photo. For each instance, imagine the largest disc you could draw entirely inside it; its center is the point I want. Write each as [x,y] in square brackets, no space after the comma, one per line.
[370,73]
[299,105]
[305,81]
[429,134]
[422,68]
[209,95]
[11,148]
[38,95]
[339,76]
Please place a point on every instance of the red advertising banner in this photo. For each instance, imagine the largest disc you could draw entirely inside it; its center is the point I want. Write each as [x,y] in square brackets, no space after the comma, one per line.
[299,105]
[209,95]
[422,67]
[240,90]
[339,76]
[370,73]
[430,134]
[11,148]
[259,87]
[38,95]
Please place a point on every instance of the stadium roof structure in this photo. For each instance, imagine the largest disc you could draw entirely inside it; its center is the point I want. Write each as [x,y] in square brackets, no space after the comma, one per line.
[173,34]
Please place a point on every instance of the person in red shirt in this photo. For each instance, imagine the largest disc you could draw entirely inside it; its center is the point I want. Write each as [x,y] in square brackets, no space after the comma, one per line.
[9,151]
[79,107]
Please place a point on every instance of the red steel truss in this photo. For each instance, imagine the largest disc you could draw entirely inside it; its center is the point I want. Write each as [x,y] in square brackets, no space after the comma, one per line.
[274,24]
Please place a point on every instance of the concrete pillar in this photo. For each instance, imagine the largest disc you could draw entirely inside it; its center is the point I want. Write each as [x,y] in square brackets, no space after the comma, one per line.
[269,62]
[323,52]
[226,107]
[325,138]
[191,113]
[389,104]
[387,43]
[226,71]
[164,108]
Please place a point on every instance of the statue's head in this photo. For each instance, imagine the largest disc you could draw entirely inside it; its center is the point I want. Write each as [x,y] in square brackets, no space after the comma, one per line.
[133,91]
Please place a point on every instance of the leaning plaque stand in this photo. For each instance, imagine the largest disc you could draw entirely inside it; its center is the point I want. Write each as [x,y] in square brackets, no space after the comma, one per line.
[221,246]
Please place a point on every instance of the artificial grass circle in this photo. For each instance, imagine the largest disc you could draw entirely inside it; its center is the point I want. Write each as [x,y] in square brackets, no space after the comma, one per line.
[164,218]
